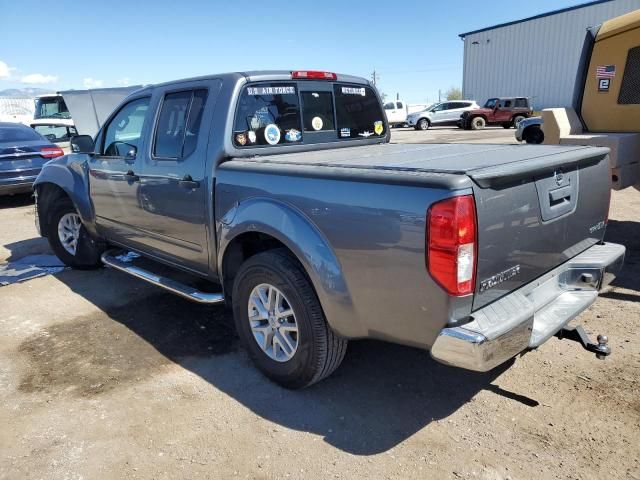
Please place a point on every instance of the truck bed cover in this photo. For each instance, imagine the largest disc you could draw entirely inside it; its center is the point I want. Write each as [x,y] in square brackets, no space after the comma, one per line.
[487,165]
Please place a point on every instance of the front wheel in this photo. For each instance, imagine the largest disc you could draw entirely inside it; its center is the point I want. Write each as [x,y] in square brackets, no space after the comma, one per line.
[69,239]
[533,135]
[477,123]
[423,124]
[280,321]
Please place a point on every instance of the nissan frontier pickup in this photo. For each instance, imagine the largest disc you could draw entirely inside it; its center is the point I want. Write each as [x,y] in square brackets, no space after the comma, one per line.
[279,194]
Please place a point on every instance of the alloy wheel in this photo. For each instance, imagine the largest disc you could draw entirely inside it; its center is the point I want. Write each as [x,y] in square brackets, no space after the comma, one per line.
[69,231]
[273,322]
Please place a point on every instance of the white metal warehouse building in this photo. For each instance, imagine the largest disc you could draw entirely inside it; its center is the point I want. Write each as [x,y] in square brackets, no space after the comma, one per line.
[535,57]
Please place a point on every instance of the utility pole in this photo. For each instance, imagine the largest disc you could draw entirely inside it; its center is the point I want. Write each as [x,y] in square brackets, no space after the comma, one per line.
[439,100]
[374,77]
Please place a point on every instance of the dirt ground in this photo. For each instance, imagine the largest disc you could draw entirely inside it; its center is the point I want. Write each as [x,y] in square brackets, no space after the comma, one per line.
[103,376]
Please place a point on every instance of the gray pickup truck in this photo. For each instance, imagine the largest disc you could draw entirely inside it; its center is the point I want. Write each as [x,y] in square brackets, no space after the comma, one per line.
[279,194]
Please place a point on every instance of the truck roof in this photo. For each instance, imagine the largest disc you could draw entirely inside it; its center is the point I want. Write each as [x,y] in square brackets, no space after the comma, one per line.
[256,75]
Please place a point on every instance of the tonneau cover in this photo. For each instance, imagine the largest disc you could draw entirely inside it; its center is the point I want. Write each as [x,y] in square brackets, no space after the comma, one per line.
[487,165]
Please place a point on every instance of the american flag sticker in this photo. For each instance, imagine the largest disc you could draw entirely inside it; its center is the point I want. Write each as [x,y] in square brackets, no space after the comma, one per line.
[606,71]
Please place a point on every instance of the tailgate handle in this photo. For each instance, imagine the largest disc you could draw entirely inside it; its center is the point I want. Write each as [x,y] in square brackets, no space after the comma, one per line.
[559,196]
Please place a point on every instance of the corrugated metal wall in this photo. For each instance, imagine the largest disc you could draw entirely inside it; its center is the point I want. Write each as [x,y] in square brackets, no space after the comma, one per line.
[537,58]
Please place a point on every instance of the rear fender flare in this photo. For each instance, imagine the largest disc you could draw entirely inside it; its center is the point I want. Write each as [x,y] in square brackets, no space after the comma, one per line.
[300,235]
[71,174]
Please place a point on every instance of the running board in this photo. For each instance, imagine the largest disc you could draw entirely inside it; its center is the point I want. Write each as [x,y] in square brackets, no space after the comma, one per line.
[109,258]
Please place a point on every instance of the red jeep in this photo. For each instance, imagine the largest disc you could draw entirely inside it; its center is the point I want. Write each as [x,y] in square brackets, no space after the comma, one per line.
[507,111]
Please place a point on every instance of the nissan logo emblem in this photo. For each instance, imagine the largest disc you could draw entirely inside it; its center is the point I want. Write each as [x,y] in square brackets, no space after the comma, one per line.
[559,177]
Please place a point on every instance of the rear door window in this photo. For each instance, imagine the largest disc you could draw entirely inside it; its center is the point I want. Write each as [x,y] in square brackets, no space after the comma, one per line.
[178,124]
[317,111]
[358,113]
[268,114]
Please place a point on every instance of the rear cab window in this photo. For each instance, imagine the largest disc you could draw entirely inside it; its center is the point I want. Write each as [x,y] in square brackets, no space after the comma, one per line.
[272,114]
[268,114]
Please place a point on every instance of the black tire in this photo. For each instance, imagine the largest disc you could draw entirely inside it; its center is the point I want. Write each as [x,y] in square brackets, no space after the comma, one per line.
[319,352]
[423,124]
[506,125]
[88,250]
[533,135]
[478,123]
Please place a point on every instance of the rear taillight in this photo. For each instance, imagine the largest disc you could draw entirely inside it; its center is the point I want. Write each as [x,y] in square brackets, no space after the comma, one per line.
[452,244]
[51,152]
[313,75]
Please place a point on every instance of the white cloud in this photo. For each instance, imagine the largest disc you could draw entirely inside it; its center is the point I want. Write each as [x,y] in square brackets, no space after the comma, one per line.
[39,78]
[125,81]
[92,83]
[5,71]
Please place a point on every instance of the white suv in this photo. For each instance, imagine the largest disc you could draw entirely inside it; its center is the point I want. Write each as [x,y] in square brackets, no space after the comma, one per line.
[443,113]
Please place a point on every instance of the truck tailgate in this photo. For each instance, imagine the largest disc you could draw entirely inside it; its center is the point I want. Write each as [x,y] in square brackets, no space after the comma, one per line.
[535,214]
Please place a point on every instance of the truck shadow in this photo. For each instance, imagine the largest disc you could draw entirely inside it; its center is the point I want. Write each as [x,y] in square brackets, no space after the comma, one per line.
[626,233]
[380,396]
[18,200]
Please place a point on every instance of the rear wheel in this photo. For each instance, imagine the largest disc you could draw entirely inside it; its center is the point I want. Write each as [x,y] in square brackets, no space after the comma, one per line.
[478,123]
[533,135]
[280,321]
[423,124]
[69,239]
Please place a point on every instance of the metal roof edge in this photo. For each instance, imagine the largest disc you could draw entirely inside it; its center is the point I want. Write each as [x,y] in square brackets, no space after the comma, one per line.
[535,17]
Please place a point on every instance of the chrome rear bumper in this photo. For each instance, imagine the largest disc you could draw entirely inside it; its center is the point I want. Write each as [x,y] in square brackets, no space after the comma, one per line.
[529,316]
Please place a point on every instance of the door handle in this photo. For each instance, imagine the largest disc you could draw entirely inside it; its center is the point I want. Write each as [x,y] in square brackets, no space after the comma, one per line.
[188,182]
[131,177]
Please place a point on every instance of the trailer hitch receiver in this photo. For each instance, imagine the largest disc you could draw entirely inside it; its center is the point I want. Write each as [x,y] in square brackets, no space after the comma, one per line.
[577,334]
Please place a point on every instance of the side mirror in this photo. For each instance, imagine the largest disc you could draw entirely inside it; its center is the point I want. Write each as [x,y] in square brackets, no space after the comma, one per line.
[81,144]
[131,151]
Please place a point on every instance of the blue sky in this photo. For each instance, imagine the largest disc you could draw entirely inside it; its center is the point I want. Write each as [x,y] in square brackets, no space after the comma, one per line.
[414,45]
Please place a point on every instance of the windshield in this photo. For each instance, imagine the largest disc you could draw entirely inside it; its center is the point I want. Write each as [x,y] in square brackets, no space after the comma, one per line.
[491,103]
[51,107]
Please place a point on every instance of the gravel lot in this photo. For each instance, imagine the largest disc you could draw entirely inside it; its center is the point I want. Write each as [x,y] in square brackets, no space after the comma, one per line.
[103,376]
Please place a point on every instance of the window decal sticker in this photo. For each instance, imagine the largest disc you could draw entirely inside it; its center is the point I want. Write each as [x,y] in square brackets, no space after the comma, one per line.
[354,91]
[275,90]
[272,134]
[292,135]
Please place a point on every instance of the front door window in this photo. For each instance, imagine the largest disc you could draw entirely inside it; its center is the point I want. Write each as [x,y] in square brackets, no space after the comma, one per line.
[122,135]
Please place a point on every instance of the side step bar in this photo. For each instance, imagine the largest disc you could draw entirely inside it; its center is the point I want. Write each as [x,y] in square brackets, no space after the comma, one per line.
[109,258]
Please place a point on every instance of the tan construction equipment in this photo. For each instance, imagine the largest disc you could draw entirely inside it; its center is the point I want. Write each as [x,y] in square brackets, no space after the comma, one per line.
[606,99]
